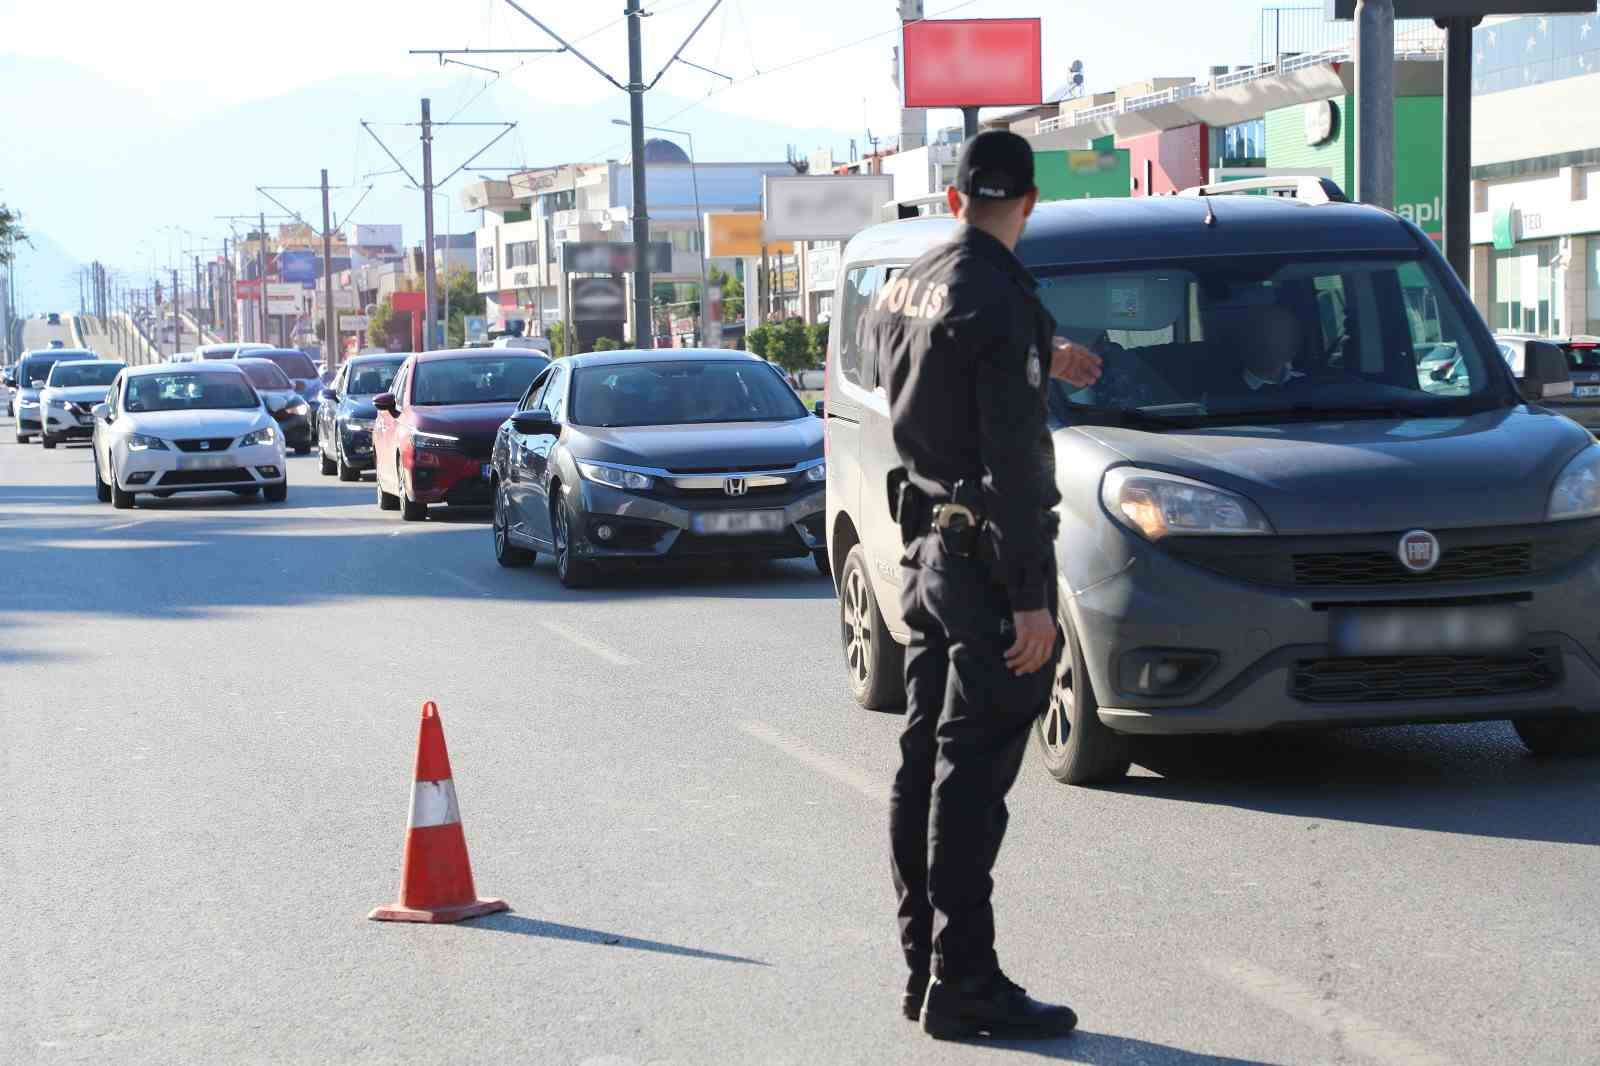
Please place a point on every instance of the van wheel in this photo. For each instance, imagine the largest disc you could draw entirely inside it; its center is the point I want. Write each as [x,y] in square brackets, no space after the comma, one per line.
[875,661]
[1559,736]
[1077,747]
[327,466]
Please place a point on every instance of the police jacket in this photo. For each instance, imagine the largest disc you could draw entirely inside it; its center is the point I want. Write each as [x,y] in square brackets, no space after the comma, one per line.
[964,349]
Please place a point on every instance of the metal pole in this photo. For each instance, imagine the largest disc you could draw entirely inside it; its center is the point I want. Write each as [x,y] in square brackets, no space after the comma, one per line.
[261,278]
[1375,102]
[1458,145]
[330,320]
[430,295]
[177,323]
[199,327]
[644,330]
[700,240]
[969,123]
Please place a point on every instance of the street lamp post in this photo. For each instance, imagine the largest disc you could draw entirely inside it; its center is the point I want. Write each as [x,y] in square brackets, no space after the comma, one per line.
[699,220]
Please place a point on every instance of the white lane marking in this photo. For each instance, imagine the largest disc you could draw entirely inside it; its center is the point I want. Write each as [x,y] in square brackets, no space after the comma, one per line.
[866,784]
[1309,1008]
[590,645]
[468,582]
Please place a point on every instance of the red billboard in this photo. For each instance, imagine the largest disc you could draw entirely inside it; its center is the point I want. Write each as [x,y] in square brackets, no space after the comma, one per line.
[972,63]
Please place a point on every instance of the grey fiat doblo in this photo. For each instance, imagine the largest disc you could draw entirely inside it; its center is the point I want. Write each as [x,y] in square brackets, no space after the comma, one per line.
[1276,511]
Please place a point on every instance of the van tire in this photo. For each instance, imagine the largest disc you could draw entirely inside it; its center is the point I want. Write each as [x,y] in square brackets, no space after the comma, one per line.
[874,660]
[1088,753]
[1559,736]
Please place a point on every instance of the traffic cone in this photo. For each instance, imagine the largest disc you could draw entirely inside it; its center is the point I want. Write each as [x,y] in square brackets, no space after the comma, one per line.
[435,876]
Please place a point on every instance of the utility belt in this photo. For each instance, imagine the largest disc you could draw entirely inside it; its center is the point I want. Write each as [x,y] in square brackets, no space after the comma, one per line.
[956,519]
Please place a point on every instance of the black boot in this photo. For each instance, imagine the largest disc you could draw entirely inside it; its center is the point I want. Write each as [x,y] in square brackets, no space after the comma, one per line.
[911,1000]
[994,1006]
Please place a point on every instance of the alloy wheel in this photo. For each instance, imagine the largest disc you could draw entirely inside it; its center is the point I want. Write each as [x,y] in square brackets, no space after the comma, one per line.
[857,626]
[1057,724]
[499,521]
[559,530]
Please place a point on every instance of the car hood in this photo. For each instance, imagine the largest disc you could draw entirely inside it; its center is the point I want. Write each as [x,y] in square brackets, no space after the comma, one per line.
[80,393]
[360,408]
[183,424]
[716,447]
[278,399]
[467,418]
[1489,469]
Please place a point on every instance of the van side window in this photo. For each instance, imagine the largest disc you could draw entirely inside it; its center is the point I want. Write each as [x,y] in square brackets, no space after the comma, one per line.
[858,365]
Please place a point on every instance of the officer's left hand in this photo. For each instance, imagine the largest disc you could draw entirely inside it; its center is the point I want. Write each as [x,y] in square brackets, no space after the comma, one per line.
[1074,364]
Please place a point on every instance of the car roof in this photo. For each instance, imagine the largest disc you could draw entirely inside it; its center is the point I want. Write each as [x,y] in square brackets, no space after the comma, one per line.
[80,362]
[377,357]
[59,354]
[478,353]
[256,361]
[215,367]
[661,355]
[1127,230]
[262,353]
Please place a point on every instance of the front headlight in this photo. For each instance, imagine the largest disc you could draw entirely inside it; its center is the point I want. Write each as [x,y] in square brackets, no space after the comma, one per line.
[296,407]
[1577,490]
[138,442]
[817,473]
[1161,505]
[363,424]
[264,435]
[419,439]
[616,477]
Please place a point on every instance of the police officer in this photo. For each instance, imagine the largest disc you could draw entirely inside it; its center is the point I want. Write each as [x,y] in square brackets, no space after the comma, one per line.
[965,349]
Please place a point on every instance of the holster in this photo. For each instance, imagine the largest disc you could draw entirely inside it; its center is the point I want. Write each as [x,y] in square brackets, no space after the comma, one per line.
[957,520]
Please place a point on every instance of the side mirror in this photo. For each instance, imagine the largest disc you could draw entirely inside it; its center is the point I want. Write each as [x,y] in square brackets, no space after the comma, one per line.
[102,411]
[818,410]
[384,401]
[1546,375]
[535,423]
[329,396]
[37,383]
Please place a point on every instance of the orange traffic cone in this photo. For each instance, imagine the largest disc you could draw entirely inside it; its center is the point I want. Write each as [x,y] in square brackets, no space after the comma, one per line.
[435,876]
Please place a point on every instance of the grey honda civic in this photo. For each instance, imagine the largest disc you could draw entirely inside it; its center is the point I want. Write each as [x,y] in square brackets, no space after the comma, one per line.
[617,457]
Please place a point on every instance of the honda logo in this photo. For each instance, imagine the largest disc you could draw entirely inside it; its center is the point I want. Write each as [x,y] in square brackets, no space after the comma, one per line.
[735,486]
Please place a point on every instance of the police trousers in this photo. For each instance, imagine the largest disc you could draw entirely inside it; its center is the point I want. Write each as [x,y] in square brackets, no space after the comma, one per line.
[966,731]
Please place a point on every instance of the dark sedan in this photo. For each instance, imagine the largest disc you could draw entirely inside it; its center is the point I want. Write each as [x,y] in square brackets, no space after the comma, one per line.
[623,456]
[344,421]
[299,368]
[286,406]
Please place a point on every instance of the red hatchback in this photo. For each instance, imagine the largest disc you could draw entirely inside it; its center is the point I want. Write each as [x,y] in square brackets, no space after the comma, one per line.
[434,431]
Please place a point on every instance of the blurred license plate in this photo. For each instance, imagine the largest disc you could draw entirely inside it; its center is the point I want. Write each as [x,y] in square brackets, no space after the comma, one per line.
[1586,392]
[483,471]
[1427,630]
[205,462]
[731,523]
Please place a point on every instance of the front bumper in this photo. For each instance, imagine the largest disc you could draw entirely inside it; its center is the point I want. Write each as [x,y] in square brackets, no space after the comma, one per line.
[296,430]
[1273,647]
[434,475]
[68,425]
[150,470]
[645,527]
[28,418]
[356,446]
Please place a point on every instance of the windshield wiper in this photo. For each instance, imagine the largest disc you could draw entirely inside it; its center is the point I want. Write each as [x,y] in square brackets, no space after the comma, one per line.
[1310,412]
[1132,418]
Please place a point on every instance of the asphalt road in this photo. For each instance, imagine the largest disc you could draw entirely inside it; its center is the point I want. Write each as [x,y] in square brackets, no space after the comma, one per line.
[207,722]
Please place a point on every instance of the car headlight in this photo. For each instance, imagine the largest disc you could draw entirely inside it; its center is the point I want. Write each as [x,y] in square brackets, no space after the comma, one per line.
[264,435]
[419,439]
[819,472]
[61,405]
[296,407]
[138,442]
[615,476]
[1577,490]
[1162,505]
[25,402]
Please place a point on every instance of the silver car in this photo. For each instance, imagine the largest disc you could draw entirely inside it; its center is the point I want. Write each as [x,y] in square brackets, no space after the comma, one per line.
[1272,517]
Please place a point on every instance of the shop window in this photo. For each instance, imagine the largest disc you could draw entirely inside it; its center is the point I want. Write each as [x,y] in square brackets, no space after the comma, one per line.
[1522,293]
[1244,144]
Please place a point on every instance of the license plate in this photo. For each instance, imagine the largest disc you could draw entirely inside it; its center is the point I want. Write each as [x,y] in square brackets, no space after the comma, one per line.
[483,471]
[1586,392]
[733,523]
[1381,631]
[206,462]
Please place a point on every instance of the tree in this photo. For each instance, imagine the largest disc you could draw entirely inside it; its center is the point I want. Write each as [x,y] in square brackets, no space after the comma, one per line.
[556,334]
[732,293]
[382,325]
[11,234]
[787,344]
[606,344]
[817,343]
[461,300]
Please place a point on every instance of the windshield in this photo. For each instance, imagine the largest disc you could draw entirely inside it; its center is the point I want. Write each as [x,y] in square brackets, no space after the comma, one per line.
[489,380]
[682,393]
[1242,338]
[189,390]
[71,375]
[369,379]
[265,375]
[36,368]
[294,364]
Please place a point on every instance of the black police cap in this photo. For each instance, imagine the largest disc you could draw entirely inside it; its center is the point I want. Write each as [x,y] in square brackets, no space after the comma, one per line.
[996,165]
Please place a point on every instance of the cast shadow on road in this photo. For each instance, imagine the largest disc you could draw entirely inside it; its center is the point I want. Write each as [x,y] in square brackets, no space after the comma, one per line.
[1105,1049]
[524,926]
[1473,779]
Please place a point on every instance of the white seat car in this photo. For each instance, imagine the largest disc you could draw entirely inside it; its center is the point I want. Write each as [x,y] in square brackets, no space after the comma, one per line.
[69,396]
[195,427]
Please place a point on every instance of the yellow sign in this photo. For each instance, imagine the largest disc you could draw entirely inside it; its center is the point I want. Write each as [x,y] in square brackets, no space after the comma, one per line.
[738,233]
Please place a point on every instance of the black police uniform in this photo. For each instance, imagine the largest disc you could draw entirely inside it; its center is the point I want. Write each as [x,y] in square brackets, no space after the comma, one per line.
[964,347]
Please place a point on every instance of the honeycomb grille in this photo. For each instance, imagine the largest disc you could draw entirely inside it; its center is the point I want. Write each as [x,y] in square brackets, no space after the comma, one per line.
[1424,677]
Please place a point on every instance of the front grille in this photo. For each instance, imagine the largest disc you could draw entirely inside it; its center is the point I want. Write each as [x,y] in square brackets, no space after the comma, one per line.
[481,447]
[1424,677]
[206,477]
[84,407]
[473,492]
[1483,562]
[204,444]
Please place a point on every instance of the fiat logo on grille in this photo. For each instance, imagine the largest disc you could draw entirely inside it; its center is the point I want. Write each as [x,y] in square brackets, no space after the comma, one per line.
[1419,551]
[735,486]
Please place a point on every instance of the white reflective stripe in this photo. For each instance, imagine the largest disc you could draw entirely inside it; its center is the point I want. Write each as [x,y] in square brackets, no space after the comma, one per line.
[434,803]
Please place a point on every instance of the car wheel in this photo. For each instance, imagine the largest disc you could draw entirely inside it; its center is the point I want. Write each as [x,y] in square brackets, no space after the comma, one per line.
[120,499]
[1559,736]
[874,659]
[327,465]
[824,564]
[276,493]
[506,553]
[410,510]
[387,501]
[574,573]
[22,438]
[1077,747]
[102,491]
[48,441]
[346,471]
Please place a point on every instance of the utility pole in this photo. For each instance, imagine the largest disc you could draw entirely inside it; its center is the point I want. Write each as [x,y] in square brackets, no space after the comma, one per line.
[330,319]
[261,278]
[1458,144]
[644,330]
[177,323]
[1375,102]
[428,315]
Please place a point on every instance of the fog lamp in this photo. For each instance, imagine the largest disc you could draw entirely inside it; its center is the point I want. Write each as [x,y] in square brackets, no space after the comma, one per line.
[1163,672]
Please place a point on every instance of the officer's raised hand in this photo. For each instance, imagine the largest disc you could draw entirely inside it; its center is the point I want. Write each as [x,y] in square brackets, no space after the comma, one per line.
[1074,364]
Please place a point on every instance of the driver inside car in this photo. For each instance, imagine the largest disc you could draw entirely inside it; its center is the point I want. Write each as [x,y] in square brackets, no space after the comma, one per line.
[1271,345]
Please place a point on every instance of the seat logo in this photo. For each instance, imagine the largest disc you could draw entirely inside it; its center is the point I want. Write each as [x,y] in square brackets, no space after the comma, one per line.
[735,486]
[205,446]
[1419,551]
